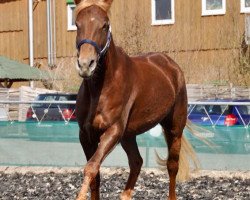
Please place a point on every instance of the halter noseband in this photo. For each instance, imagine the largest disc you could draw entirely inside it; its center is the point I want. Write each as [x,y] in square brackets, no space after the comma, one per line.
[100,52]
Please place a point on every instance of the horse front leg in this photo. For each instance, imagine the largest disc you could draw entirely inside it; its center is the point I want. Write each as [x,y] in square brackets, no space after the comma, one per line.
[135,163]
[108,140]
[89,149]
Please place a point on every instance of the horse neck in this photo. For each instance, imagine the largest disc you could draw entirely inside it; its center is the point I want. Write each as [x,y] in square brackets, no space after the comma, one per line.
[110,60]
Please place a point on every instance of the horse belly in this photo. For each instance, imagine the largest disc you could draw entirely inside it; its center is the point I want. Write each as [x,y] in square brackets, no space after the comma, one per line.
[149,112]
[157,86]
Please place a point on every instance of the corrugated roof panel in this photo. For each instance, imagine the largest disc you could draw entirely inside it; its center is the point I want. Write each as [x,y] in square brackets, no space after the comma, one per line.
[70,1]
[10,69]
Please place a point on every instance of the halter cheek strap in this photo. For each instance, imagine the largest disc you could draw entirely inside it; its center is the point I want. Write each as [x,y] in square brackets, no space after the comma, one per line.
[100,52]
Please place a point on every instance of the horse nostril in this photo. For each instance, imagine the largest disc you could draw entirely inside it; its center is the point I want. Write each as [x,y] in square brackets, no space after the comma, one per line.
[78,62]
[85,63]
[91,63]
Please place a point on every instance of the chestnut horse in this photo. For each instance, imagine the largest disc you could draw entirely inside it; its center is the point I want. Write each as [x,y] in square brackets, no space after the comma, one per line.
[121,97]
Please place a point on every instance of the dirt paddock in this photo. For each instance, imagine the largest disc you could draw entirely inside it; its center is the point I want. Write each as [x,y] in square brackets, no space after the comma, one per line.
[64,183]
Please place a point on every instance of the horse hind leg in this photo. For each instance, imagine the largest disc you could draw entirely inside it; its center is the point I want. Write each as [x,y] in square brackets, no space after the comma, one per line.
[135,163]
[174,145]
[173,127]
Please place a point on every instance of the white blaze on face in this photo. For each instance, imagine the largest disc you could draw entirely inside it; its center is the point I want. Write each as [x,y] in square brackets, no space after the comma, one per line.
[92,19]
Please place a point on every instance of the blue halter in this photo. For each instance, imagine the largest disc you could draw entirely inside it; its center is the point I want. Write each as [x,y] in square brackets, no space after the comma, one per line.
[100,52]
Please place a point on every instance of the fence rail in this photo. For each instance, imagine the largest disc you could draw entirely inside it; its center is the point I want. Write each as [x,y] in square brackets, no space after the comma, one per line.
[229,103]
[5,105]
[37,102]
[24,93]
[198,92]
[73,102]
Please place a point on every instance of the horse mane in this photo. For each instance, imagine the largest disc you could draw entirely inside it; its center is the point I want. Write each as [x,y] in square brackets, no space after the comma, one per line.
[87,3]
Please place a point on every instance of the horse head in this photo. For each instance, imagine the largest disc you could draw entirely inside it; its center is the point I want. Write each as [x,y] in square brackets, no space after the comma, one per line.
[93,34]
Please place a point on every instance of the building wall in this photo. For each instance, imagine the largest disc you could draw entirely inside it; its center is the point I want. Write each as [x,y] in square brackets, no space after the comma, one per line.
[208,48]
[190,32]
[13,35]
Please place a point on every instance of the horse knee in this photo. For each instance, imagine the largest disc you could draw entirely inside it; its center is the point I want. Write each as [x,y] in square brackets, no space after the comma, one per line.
[91,170]
[172,166]
[176,132]
[136,163]
[140,162]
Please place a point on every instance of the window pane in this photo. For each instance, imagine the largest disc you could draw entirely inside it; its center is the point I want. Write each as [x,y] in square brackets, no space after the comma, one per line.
[214,4]
[73,18]
[244,110]
[247,3]
[163,9]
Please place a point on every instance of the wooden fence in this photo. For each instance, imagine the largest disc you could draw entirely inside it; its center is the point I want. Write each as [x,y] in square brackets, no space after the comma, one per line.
[198,92]
[18,112]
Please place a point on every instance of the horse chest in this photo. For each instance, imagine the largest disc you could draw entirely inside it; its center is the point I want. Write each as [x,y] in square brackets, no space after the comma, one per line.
[94,125]
[103,109]
[100,117]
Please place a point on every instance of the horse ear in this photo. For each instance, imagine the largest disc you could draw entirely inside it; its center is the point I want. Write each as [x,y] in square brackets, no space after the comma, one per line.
[77,1]
[107,1]
[106,4]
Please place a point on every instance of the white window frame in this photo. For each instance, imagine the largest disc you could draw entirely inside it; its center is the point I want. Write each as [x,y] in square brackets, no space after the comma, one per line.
[243,8]
[206,12]
[71,27]
[163,21]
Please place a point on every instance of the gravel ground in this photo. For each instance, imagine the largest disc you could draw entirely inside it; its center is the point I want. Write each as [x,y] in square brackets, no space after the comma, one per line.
[64,183]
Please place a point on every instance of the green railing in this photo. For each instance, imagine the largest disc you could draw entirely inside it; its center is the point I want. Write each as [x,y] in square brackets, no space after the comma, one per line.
[57,144]
[234,139]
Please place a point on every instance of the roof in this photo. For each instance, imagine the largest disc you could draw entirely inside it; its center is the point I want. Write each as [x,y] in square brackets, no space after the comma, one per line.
[16,71]
[57,93]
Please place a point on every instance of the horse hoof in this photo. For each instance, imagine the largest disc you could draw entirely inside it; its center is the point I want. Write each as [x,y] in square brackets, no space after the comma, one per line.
[125,197]
[81,197]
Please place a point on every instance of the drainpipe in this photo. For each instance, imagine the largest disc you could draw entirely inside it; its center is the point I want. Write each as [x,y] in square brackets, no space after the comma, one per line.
[49,39]
[51,34]
[54,32]
[31,38]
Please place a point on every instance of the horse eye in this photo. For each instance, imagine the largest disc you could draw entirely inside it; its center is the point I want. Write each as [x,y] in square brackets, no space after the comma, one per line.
[77,25]
[105,27]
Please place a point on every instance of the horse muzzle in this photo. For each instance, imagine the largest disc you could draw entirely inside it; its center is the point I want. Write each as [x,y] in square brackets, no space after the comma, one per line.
[86,67]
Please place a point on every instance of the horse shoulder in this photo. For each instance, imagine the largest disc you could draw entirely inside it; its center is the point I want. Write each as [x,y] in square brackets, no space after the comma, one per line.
[114,104]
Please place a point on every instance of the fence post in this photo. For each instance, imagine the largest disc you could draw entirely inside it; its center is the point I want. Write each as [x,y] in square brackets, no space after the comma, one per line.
[147,156]
[233,92]
[20,105]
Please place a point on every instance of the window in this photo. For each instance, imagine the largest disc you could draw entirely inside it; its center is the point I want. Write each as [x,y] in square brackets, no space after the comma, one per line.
[162,12]
[245,6]
[71,20]
[213,7]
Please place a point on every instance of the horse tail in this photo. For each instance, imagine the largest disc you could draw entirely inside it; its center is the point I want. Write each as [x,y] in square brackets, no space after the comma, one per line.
[187,157]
